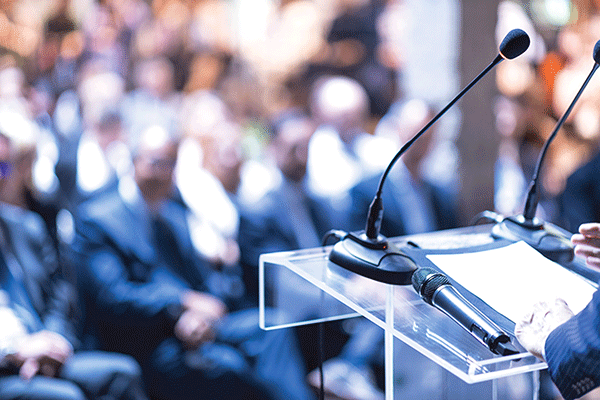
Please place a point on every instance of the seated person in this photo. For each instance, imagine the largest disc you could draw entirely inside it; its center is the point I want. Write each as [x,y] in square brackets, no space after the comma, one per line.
[291,217]
[39,357]
[144,285]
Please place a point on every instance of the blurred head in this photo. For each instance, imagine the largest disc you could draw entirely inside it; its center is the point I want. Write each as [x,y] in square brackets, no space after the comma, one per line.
[223,154]
[155,75]
[154,157]
[291,135]
[342,103]
[402,123]
[109,128]
[22,134]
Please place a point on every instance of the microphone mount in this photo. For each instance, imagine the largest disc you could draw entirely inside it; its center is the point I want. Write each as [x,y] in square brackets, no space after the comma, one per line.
[369,253]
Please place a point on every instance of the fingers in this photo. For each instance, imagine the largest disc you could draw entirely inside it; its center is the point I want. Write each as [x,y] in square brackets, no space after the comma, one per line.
[535,326]
[587,243]
[579,239]
[204,303]
[194,329]
[29,369]
[590,253]
[591,229]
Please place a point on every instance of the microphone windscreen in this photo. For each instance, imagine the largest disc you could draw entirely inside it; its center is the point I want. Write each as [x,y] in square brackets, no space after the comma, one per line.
[426,281]
[514,44]
[597,52]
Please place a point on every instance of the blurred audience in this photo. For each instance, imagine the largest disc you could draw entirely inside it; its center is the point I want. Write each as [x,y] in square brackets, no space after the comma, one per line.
[208,176]
[146,292]
[40,355]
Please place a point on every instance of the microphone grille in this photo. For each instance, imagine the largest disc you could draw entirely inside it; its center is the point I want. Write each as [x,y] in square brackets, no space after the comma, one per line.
[426,281]
[514,44]
[597,52]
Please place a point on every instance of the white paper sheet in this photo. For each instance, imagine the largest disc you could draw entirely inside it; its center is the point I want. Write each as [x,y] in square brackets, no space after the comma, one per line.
[511,279]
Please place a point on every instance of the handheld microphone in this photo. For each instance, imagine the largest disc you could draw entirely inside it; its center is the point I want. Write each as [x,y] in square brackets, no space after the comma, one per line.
[367,252]
[435,288]
[550,240]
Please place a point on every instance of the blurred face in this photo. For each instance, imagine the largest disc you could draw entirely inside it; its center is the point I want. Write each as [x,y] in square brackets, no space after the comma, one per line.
[414,116]
[223,156]
[108,134]
[153,167]
[291,148]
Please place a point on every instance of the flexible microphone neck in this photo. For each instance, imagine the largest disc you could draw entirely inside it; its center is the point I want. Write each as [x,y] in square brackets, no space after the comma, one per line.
[513,45]
[533,195]
[375,214]
[372,255]
[551,241]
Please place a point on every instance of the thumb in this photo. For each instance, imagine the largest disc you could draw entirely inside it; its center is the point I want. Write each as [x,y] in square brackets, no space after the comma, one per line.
[29,369]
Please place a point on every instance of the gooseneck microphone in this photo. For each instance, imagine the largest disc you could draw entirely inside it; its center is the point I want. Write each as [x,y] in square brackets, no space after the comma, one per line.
[367,252]
[435,288]
[552,241]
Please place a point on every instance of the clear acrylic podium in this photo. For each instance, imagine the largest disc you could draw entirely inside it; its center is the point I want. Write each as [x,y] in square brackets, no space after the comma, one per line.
[310,289]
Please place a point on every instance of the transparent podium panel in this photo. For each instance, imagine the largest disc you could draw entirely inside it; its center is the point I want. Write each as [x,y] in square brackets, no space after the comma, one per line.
[307,288]
[417,377]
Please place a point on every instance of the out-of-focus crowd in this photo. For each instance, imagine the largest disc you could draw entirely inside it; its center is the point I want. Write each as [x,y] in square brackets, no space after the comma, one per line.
[150,151]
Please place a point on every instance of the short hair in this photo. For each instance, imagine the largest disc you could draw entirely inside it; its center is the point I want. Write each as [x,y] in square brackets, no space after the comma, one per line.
[276,124]
[153,135]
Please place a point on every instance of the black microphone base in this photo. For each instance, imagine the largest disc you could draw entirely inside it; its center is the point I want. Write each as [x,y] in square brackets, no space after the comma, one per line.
[375,259]
[550,240]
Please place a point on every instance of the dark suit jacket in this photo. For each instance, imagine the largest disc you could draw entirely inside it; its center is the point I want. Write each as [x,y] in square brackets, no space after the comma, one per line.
[132,298]
[362,194]
[573,352]
[266,227]
[52,297]
[581,197]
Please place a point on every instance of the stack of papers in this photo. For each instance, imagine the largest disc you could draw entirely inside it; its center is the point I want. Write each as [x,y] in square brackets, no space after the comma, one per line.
[511,279]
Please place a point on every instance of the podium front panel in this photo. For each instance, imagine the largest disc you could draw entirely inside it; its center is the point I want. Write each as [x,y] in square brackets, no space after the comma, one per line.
[305,287]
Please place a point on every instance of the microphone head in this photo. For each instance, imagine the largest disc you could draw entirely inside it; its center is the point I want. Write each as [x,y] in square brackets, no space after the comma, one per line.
[514,44]
[597,52]
[426,281]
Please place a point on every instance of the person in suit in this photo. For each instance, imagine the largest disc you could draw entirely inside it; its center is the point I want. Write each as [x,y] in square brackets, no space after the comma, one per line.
[569,344]
[341,150]
[144,285]
[39,343]
[292,217]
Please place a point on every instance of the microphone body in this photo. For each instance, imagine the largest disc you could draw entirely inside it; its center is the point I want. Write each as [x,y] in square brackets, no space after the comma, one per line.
[551,241]
[435,288]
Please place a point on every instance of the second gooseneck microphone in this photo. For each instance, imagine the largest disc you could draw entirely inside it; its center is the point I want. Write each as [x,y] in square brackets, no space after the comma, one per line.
[551,241]
[367,252]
